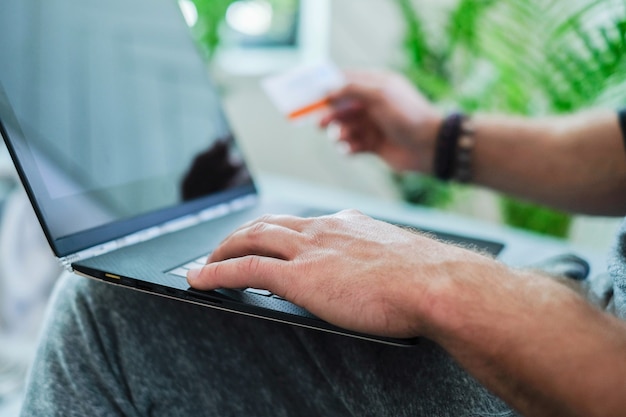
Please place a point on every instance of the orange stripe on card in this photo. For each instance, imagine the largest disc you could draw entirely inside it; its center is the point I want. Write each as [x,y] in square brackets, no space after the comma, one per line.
[309,109]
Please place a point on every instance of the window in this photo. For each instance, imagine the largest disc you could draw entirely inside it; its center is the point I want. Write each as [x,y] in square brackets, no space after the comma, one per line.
[255,37]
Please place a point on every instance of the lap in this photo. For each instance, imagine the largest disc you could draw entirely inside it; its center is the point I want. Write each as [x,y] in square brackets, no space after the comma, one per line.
[110,350]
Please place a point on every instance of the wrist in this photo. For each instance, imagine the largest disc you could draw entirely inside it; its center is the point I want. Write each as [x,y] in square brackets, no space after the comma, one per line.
[460,302]
[417,140]
[427,134]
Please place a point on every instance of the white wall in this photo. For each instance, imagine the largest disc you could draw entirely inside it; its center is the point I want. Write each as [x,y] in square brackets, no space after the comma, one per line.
[275,146]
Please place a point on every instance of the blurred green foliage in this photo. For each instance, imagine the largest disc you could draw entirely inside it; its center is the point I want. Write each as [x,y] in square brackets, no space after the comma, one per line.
[210,16]
[525,57]
[207,30]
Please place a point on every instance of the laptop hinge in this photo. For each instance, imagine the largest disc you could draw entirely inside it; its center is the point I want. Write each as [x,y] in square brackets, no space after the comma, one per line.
[181,223]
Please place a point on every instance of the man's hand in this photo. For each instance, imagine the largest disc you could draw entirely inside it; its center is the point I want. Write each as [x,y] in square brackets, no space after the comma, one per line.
[348,269]
[381,112]
[534,342]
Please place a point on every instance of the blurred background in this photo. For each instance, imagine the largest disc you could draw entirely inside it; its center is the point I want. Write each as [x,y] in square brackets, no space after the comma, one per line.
[530,57]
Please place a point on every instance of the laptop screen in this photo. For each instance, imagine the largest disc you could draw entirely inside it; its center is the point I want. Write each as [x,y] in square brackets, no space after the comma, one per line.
[117,118]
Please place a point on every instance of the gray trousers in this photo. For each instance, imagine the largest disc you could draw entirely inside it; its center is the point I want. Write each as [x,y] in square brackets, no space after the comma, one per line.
[109,351]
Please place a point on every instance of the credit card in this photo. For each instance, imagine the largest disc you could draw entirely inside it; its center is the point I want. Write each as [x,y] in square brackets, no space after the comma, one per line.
[303,91]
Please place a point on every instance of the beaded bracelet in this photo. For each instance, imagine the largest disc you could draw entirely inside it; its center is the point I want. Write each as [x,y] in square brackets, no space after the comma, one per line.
[453,151]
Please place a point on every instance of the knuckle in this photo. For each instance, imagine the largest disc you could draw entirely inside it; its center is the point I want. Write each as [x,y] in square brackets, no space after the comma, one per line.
[316,239]
[350,213]
[252,265]
[266,218]
[257,229]
[354,212]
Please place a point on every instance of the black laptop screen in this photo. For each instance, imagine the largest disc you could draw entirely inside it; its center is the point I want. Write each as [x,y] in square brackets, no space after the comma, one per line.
[115,112]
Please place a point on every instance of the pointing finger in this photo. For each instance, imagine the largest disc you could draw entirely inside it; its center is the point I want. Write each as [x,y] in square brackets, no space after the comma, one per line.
[244,272]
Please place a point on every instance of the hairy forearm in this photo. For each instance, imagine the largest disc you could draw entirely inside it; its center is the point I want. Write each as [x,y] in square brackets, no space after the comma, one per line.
[535,343]
[576,163]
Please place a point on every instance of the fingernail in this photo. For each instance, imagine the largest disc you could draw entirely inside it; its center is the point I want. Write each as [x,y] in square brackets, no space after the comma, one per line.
[193,274]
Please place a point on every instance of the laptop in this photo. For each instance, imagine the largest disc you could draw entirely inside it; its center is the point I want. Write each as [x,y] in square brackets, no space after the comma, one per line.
[120,140]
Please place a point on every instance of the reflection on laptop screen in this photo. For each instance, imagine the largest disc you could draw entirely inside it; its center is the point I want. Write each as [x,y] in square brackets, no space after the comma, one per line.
[116,108]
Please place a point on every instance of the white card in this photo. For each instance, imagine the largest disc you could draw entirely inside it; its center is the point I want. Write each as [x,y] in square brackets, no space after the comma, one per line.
[303,91]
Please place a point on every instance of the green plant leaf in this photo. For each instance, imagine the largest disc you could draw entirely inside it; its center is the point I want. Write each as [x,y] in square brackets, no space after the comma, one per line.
[528,57]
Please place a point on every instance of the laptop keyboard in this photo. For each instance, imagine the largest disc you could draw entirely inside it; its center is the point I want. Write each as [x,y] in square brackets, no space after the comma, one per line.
[181,271]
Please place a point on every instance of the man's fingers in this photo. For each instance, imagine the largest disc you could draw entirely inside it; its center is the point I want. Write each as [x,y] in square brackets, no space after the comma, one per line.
[288,221]
[353,96]
[350,101]
[342,115]
[259,238]
[245,272]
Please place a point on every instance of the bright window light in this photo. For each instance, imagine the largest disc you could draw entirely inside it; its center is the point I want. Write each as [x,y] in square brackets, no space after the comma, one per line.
[250,17]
